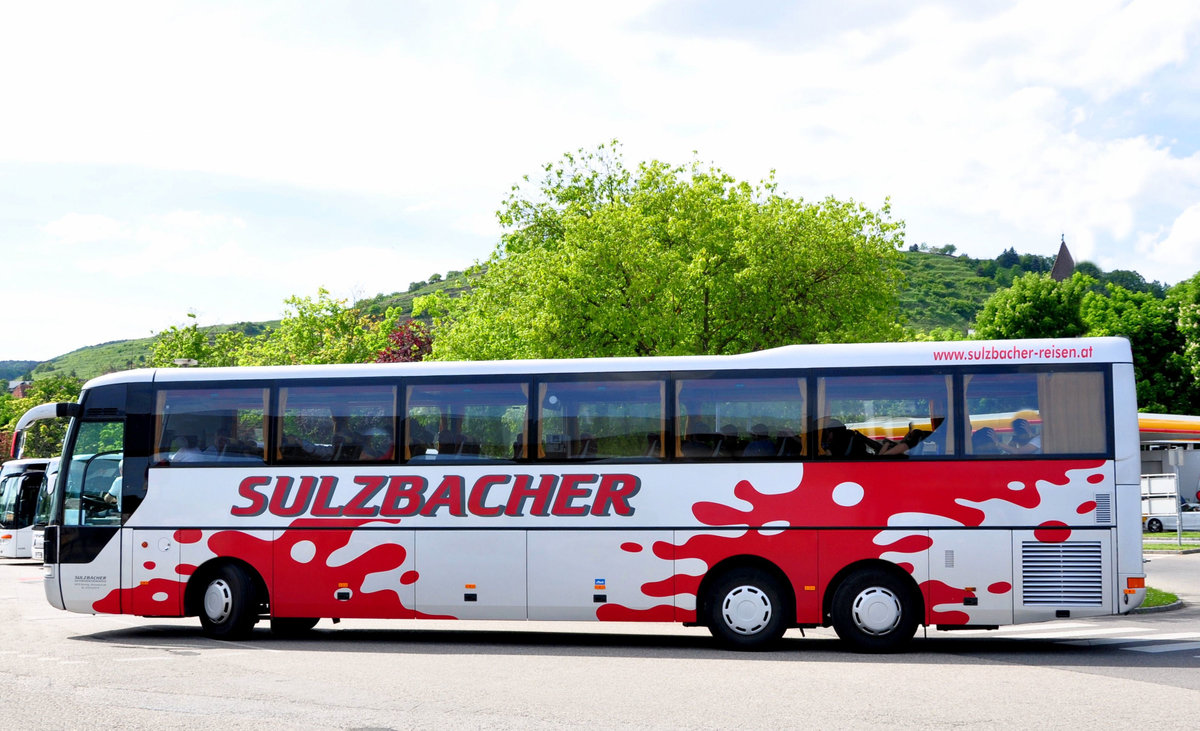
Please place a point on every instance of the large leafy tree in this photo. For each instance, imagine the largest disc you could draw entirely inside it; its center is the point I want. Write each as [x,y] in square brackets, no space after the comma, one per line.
[600,260]
[1035,306]
[1185,297]
[1164,380]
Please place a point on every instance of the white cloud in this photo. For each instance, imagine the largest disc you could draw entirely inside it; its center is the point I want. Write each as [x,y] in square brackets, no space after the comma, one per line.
[994,127]
[1175,255]
[83,228]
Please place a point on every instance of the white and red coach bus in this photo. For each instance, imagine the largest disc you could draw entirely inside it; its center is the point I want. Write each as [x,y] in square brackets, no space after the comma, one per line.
[843,485]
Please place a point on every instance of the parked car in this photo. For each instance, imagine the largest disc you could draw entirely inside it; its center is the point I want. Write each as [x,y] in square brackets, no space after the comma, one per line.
[1189,512]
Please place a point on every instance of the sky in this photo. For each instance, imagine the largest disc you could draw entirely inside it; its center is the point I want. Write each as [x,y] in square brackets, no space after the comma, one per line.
[165,158]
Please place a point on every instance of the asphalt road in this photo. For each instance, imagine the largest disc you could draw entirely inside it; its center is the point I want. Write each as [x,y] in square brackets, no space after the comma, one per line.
[73,671]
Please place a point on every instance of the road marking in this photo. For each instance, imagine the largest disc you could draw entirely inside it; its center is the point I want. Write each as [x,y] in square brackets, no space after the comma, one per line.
[1142,639]
[1174,647]
[1005,631]
[1095,631]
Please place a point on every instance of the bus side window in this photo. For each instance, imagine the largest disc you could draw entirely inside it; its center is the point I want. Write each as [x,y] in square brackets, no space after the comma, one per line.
[601,419]
[210,425]
[1049,412]
[337,424]
[887,416]
[740,418]
[466,422]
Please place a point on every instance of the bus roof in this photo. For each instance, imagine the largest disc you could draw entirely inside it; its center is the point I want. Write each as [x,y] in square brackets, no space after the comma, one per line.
[931,354]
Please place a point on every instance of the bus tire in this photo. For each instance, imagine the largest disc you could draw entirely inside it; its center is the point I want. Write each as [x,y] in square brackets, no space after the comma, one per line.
[747,610]
[229,606]
[1154,525]
[875,611]
[292,626]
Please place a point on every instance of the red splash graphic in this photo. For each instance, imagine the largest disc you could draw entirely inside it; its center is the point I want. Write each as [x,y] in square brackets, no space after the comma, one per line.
[302,581]
[1086,508]
[297,565]
[937,594]
[630,547]
[149,565]
[1052,531]
[142,596]
[871,526]
[1000,587]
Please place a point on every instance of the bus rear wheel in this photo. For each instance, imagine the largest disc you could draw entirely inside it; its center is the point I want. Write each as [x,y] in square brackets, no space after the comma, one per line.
[229,606]
[747,610]
[875,611]
[1154,525]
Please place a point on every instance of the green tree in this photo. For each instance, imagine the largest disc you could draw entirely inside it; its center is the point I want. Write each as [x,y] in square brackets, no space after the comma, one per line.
[44,438]
[190,342]
[1035,306]
[1185,297]
[1164,380]
[604,261]
[323,330]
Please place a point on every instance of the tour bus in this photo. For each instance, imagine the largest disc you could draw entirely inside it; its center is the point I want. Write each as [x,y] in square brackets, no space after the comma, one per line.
[747,494]
[20,481]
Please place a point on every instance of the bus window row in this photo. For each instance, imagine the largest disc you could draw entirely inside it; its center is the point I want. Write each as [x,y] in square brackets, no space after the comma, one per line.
[751,418]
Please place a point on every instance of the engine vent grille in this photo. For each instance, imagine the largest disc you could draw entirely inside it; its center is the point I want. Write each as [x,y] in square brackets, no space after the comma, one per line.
[1104,509]
[1062,574]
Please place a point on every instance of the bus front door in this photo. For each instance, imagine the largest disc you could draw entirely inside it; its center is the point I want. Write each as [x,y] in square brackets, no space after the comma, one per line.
[89,546]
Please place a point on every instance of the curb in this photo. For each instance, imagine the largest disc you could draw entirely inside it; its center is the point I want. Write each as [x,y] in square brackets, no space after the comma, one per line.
[1177,551]
[1177,604]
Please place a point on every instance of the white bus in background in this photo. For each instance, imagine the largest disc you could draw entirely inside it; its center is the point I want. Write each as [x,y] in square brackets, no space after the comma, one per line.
[20,483]
[45,505]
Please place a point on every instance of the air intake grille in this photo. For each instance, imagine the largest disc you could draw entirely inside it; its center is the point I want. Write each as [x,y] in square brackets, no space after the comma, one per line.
[1104,509]
[1062,574]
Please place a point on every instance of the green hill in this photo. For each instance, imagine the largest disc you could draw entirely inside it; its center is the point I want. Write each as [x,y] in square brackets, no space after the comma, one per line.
[941,290]
[96,360]
[11,370]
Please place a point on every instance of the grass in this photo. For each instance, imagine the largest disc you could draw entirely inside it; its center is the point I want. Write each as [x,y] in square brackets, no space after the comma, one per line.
[1158,598]
[1170,535]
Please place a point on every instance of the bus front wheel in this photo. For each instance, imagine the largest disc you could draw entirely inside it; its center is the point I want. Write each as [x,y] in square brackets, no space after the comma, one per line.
[746,610]
[875,611]
[229,607]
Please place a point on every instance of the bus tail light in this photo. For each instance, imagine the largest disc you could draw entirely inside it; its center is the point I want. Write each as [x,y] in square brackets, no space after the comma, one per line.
[1135,582]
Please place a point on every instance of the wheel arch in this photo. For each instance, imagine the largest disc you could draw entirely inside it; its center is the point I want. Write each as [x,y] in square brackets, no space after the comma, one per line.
[193,595]
[744,561]
[868,565]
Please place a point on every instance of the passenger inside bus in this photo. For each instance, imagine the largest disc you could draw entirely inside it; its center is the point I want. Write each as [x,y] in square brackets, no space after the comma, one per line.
[186,449]
[761,444]
[113,496]
[986,441]
[1024,439]
[839,441]
[700,441]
